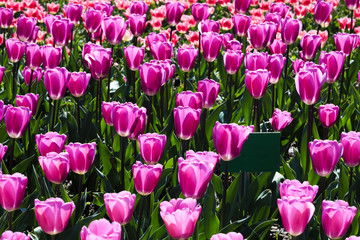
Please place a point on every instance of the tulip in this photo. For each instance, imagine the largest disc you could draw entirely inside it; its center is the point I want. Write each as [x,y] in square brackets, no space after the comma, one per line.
[134,57]
[81,156]
[101,229]
[273,17]
[233,45]
[210,89]
[151,147]
[12,191]
[200,11]
[168,70]
[277,47]
[151,78]
[190,99]
[186,58]
[353,238]
[61,31]
[6,17]
[49,19]
[3,109]
[351,144]
[211,45]
[78,82]
[310,45]
[106,8]
[114,29]
[146,177]
[88,47]
[37,75]
[241,24]
[93,19]
[140,124]
[120,206]
[295,214]
[258,34]
[324,155]
[9,235]
[33,56]
[275,67]
[229,139]
[161,50]
[346,42]
[25,27]
[336,218]
[29,100]
[256,82]
[2,70]
[51,56]
[56,166]
[328,114]
[227,37]
[195,173]
[53,214]
[3,150]
[137,24]
[73,12]
[229,236]
[15,49]
[100,61]
[138,7]
[280,8]
[242,6]
[352,4]
[174,11]
[290,30]
[233,61]
[209,26]
[256,60]
[17,120]
[155,37]
[334,62]
[322,12]
[107,108]
[273,27]
[55,81]
[293,188]
[186,121]
[280,119]
[50,142]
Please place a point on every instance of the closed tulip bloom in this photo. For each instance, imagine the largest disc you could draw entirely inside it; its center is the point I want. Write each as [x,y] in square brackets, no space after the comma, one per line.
[107,108]
[278,47]
[56,80]
[169,70]
[346,42]
[146,177]
[53,214]
[227,37]
[201,11]
[50,142]
[101,229]
[36,76]
[280,119]
[190,99]
[88,47]
[100,61]
[258,34]
[28,100]
[2,70]
[78,82]
[233,61]
[336,217]
[114,29]
[138,7]
[294,188]
[256,82]
[6,17]
[322,12]
[233,45]
[93,19]
[229,139]
[273,28]
[134,57]
[328,114]
[56,166]
[242,6]
[12,191]
[280,8]
[161,50]
[308,83]
[180,216]
[186,121]
[137,24]
[324,155]
[351,144]
[174,11]
[155,37]
[25,27]
[106,8]
[61,31]
[34,35]
[352,4]
[210,90]
[120,206]
[241,24]
[295,214]
[211,45]
[353,238]
[15,49]
[229,236]
[81,156]
[16,121]
[3,150]
[256,60]
[33,56]
[140,124]
[298,64]
[9,235]
[186,58]
[209,25]
[51,56]
[151,147]
[73,12]
[151,76]
[209,157]
[310,45]
[334,62]
[3,109]
[273,17]
[49,19]
[125,117]
[275,67]
[290,30]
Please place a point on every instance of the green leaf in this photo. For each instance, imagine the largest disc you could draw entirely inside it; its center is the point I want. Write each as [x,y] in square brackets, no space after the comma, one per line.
[211,221]
[105,156]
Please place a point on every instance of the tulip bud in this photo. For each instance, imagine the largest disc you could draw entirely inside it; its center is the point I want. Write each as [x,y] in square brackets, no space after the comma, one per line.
[107,110]
[334,62]
[78,82]
[3,109]
[81,156]
[29,100]
[105,7]
[114,29]
[6,17]
[351,144]
[233,61]
[15,49]
[322,12]
[36,76]
[256,82]
[352,4]
[209,26]
[25,27]
[346,43]
[73,12]
[186,121]
[174,11]
[280,8]
[100,61]
[161,50]
[56,80]
[146,177]
[56,166]
[137,24]
[186,58]
[241,24]
[151,76]
[290,30]
[328,114]
[259,35]
[200,11]
[138,7]
[33,56]
[120,206]
[101,229]
[190,99]
[310,45]
[12,191]
[280,119]
[277,47]
[93,19]
[256,60]
[293,188]
[62,31]
[210,89]
[3,150]
[211,45]
[242,6]
[151,147]
[50,142]
[16,120]
[51,56]
[49,19]
[134,57]
[275,67]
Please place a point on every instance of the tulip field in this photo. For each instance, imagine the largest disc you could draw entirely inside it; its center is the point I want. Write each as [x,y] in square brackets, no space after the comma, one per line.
[179,119]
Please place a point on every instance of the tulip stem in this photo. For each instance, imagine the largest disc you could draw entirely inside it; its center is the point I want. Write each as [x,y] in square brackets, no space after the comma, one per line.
[209,70]
[184,147]
[329,93]
[350,183]
[341,85]
[57,190]
[142,204]
[199,57]
[185,80]
[229,95]
[79,190]
[203,128]
[11,159]
[161,106]
[309,133]
[31,76]
[226,179]
[133,80]
[285,75]
[109,78]
[53,115]
[78,113]
[318,29]
[273,98]
[257,113]
[14,81]
[149,114]
[123,148]
[352,19]
[323,186]
[10,220]
[100,100]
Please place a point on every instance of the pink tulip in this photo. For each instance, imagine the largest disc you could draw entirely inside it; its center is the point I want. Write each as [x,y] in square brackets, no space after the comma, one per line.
[146,177]
[278,47]
[210,89]
[186,58]
[273,17]
[50,142]
[9,235]
[53,214]
[280,119]
[334,62]
[120,206]
[2,70]
[325,154]
[310,45]
[12,191]
[3,109]
[211,45]
[155,37]
[62,31]
[28,100]
[73,12]
[275,67]
[186,121]
[168,70]
[51,56]
[139,125]
[151,76]
[101,229]
[78,82]
[328,114]
[227,37]
[322,12]
[107,108]
[36,76]
[174,11]
[55,81]
[346,43]
[134,57]
[242,6]
[280,8]
[290,30]
[229,139]
[259,35]
[180,217]
[256,60]
[100,61]
[93,19]
[229,236]
[88,47]
[114,29]
[15,49]
[106,8]
[49,19]
[353,238]
[336,218]
[209,25]
[241,24]
[25,27]
[233,61]
[298,64]
[33,56]
[295,214]
[273,28]
[56,166]
[352,4]
[81,156]
[17,120]
[190,99]
[161,50]
[200,11]
[351,144]
[3,150]
[6,17]
[256,82]
[293,188]
[138,7]
[137,24]
[151,147]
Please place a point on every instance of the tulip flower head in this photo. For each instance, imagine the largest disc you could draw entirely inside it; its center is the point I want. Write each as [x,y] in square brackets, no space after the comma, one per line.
[101,229]
[351,144]
[120,206]
[294,188]
[81,156]
[280,119]
[12,191]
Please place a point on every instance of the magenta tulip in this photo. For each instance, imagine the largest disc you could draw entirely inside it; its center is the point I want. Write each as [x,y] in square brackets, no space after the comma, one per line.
[137,24]
[352,4]
[280,8]
[9,235]
[28,100]
[33,56]
[25,27]
[280,119]
[186,58]
[105,7]
[51,56]
[3,109]
[78,82]
[134,57]
[209,25]
[233,61]
[138,7]
[88,47]
[81,156]
[228,236]
[16,121]
[256,60]
[334,62]
[139,125]
[200,11]
[120,206]
[190,99]
[6,17]
[174,11]
[351,144]
[161,50]
[73,12]
[211,45]
[101,229]
[146,177]
[2,70]
[186,121]
[53,214]
[3,150]
[242,6]
[151,76]
[93,19]
[61,31]
[290,30]
[275,67]
[114,29]
[241,24]
[155,37]
[273,17]
[151,147]
[50,142]
[210,89]
[100,61]
[328,114]
[55,81]
[353,238]
[310,45]
[346,43]
[15,49]
[12,191]
[298,64]
[56,166]
[49,19]
[278,47]
[107,108]
[294,188]
[322,12]
[256,82]
[259,35]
